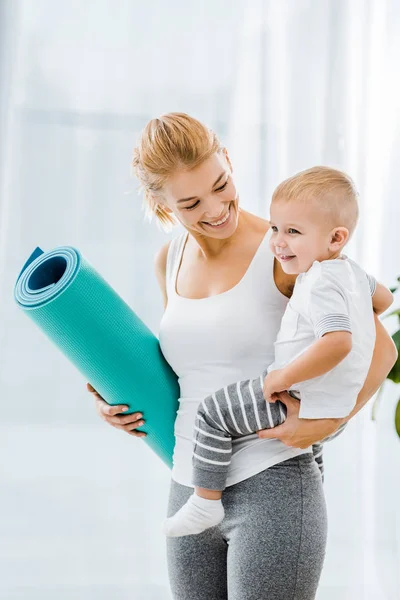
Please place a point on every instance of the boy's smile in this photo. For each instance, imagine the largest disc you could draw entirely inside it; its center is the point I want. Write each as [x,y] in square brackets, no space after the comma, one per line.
[301,234]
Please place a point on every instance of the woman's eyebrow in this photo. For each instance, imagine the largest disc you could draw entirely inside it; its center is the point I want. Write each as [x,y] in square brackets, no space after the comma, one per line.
[194,197]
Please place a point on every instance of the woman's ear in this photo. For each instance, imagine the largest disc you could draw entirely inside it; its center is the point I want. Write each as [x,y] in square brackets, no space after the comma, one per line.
[338,238]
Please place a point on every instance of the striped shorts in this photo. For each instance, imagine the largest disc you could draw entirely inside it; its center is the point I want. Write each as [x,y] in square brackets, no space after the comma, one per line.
[232,412]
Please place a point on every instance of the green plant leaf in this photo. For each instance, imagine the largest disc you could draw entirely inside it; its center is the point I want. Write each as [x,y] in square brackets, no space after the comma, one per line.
[393,290]
[394,312]
[394,374]
[397,418]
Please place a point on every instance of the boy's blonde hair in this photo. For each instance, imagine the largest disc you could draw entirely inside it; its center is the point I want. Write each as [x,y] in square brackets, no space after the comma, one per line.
[329,190]
[171,142]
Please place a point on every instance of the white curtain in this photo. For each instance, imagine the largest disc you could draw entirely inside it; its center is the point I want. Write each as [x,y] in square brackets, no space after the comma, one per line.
[287,85]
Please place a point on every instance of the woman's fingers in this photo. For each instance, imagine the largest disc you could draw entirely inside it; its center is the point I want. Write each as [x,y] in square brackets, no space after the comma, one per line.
[113,414]
[130,428]
[136,433]
[277,432]
[284,432]
[292,404]
[127,423]
[110,410]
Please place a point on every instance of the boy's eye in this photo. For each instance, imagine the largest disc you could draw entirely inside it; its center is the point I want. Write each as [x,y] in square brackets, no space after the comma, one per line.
[274,228]
[291,230]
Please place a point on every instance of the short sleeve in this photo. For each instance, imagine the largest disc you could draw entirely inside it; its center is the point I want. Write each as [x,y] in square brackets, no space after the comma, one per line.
[327,307]
[372,283]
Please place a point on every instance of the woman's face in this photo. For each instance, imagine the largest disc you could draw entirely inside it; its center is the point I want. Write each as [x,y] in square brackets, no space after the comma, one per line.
[204,199]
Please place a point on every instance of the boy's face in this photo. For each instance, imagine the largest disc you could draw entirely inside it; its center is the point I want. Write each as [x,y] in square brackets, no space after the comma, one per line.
[300,235]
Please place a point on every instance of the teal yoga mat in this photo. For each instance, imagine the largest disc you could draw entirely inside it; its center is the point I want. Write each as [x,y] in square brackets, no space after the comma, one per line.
[103,337]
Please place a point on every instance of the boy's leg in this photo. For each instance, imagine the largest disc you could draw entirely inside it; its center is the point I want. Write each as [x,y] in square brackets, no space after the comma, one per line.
[241,409]
[236,410]
[212,451]
[211,458]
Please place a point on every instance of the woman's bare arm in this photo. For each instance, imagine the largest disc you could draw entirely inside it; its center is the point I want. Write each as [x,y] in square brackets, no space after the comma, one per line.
[383,359]
[160,267]
[382,299]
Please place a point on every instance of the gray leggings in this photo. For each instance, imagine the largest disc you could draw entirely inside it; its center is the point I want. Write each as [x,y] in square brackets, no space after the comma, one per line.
[270,545]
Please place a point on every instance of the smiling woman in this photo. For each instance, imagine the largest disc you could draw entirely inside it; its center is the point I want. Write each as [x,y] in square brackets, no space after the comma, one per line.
[224,296]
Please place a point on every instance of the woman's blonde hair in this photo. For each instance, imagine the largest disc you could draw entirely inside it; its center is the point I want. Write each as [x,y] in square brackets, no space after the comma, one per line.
[171,142]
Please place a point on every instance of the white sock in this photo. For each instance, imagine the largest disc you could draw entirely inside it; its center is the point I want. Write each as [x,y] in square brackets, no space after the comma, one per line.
[194,517]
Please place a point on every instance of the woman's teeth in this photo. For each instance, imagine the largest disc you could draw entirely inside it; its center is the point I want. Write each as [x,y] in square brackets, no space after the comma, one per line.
[220,222]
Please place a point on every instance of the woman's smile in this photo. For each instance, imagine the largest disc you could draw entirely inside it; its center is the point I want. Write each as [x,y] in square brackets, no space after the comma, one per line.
[222,222]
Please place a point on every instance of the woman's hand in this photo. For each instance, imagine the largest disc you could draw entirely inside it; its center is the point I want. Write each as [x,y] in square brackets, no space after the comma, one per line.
[110,414]
[299,433]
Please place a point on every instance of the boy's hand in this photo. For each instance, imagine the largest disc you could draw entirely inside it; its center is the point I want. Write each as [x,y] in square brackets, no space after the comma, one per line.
[273,384]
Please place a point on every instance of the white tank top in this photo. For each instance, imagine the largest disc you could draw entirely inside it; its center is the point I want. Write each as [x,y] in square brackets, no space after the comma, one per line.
[214,341]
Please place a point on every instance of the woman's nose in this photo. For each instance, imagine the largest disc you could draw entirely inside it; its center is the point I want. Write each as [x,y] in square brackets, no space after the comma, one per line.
[214,212]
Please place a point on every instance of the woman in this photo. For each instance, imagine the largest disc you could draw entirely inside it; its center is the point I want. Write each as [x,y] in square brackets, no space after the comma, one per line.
[224,296]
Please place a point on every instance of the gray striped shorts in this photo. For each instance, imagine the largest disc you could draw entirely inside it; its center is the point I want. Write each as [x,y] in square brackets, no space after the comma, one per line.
[232,412]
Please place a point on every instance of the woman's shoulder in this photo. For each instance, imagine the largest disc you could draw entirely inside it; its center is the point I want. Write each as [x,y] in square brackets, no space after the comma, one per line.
[160,258]
[166,257]
[160,268]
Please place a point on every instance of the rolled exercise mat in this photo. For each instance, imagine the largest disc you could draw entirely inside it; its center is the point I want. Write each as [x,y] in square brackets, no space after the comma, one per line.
[103,337]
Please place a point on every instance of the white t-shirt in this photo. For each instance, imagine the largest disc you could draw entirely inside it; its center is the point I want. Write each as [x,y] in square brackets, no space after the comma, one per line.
[333,295]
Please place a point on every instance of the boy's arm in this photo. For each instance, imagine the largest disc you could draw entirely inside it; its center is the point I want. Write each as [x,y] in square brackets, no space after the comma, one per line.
[381,299]
[302,433]
[323,304]
[322,356]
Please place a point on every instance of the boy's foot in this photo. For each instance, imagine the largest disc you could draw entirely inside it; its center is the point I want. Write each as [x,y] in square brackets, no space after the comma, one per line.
[194,517]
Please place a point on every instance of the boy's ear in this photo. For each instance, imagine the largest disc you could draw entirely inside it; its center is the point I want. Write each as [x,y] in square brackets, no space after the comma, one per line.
[338,238]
